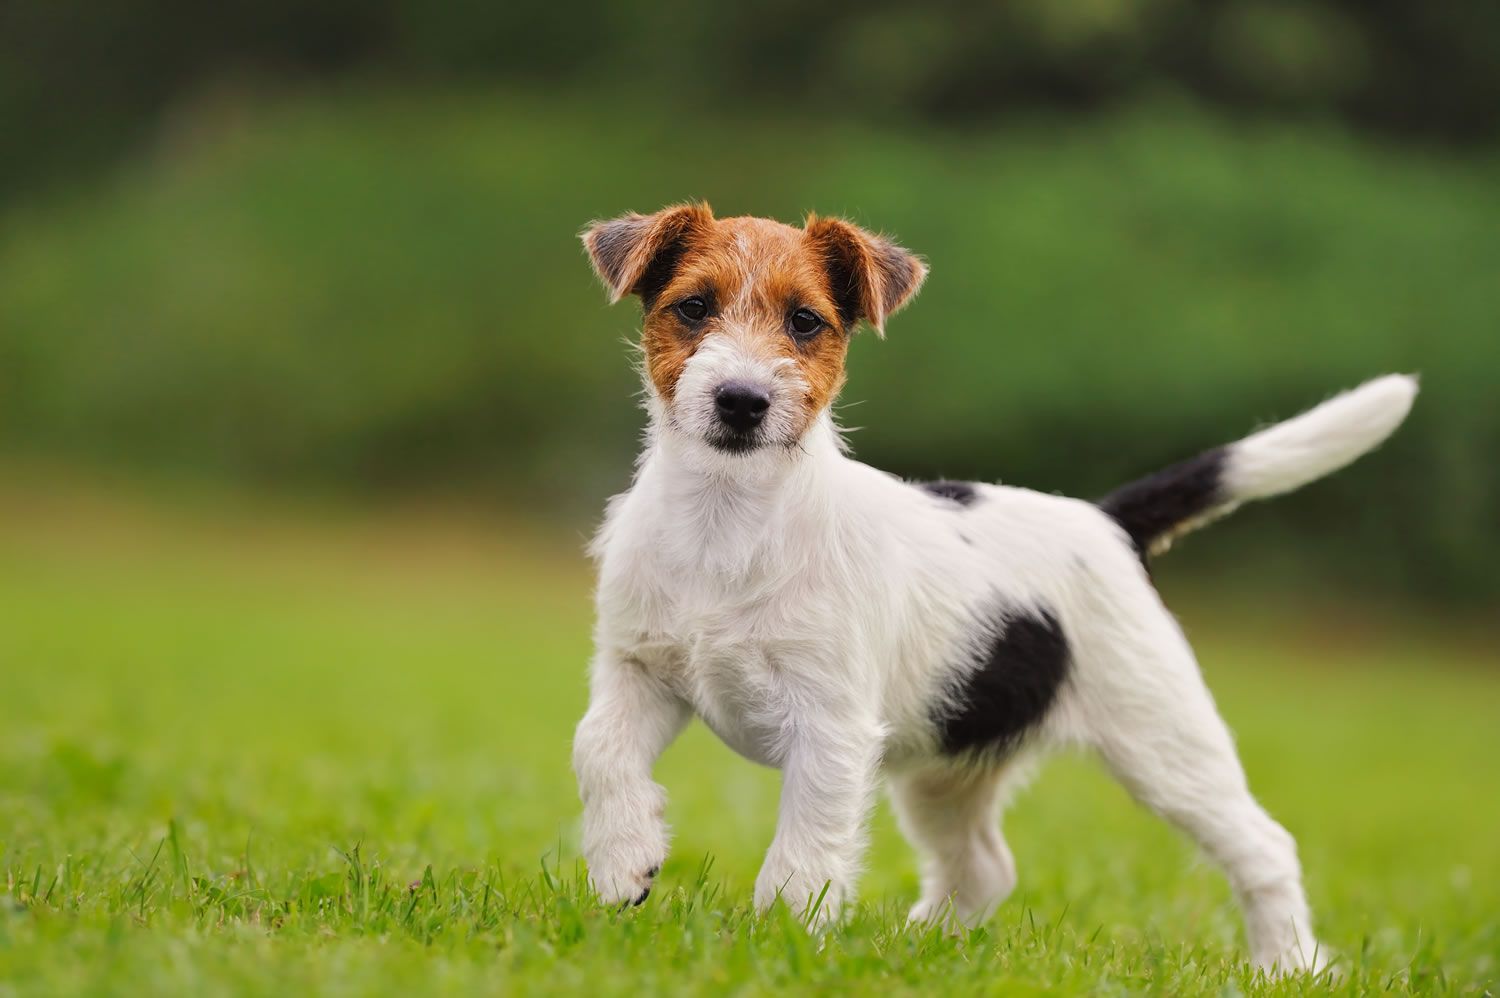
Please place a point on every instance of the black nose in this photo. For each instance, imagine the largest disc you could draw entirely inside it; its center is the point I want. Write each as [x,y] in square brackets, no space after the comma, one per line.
[741,406]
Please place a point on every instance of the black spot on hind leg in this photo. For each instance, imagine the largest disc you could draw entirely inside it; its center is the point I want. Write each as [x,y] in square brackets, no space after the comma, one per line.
[1017,669]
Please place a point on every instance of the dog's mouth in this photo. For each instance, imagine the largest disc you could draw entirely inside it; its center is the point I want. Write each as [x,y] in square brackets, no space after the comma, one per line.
[729,441]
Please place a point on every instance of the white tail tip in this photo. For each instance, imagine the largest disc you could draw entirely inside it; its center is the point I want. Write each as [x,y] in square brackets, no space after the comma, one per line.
[1322,440]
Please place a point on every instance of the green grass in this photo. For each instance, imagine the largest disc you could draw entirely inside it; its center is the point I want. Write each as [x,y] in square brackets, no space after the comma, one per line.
[252,749]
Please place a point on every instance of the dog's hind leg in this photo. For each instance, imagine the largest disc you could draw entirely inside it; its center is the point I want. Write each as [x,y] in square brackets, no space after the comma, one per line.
[1153,720]
[952,816]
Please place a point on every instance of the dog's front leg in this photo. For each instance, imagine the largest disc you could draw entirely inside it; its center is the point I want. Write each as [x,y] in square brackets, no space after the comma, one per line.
[828,776]
[632,718]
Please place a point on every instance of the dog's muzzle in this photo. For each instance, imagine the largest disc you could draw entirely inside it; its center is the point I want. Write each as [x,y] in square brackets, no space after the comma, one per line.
[740,408]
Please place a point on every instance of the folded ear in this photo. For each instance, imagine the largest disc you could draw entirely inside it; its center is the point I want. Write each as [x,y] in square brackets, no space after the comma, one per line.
[635,254]
[870,276]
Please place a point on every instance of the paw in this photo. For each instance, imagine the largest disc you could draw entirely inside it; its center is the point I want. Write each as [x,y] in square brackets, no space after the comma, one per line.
[1310,957]
[627,886]
[625,850]
[801,890]
[934,911]
[966,906]
[622,873]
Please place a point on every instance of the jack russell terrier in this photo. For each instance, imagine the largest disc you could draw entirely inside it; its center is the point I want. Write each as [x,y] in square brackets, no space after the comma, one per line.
[841,624]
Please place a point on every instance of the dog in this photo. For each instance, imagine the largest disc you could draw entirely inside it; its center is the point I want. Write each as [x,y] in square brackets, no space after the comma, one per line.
[843,625]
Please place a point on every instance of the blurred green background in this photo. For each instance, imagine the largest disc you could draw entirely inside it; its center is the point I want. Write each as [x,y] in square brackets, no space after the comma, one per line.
[330,247]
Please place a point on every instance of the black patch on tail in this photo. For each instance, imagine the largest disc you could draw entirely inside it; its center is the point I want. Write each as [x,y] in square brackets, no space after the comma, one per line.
[963,493]
[1017,673]
[1152,506]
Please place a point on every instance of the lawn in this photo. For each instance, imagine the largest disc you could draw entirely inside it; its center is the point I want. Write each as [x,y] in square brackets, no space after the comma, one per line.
[254,747]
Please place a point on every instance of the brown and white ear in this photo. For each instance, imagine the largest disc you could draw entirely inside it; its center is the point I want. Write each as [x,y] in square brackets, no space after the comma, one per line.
[635,254]
[871,277]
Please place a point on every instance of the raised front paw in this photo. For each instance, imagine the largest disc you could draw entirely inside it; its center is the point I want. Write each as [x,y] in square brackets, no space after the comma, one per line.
[625,850]
[818,898]
[622,885]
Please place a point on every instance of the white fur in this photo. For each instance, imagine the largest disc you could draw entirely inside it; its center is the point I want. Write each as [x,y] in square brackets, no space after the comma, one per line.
[812,610]
[1322,440]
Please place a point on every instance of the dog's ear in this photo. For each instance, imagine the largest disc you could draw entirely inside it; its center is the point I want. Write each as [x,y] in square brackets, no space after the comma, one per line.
[870,276]
[635,254]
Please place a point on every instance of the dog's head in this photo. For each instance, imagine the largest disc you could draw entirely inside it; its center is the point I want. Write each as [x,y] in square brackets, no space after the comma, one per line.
[746,320]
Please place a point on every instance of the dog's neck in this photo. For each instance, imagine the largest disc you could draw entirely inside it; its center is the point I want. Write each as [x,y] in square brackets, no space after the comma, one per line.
[730,508]
[695,473]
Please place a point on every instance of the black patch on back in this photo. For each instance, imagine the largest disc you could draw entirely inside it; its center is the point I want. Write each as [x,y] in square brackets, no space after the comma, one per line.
[963,493]
[1018,670]
[1152,506]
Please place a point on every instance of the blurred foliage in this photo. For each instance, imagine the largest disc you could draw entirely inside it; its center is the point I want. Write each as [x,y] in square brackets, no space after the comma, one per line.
[385,291]
[79,79]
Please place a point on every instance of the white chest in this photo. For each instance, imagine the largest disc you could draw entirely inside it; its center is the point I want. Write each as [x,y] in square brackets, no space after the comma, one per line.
[750,603]
[736,687]
[745,659]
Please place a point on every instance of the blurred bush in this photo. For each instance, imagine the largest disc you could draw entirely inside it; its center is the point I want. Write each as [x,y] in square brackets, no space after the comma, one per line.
[80,79]
[386,291]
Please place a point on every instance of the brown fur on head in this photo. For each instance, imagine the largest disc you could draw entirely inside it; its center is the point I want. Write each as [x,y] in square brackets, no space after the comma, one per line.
[755,281]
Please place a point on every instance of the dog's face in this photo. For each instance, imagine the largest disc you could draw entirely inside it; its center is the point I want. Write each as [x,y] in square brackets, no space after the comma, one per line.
[746,320]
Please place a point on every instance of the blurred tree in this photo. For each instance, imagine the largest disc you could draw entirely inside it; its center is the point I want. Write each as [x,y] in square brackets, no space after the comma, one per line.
[80,80]
[374,283]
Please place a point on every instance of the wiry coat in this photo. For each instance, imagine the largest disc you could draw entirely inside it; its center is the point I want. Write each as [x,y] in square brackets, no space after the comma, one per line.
[840,624]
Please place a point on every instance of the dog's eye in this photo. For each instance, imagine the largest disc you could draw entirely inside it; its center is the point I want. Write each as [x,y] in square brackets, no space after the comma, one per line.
[805,322]
[692,309]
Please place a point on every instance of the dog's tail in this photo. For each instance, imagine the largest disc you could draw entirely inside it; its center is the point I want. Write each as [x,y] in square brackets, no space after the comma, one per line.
[1160,508]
